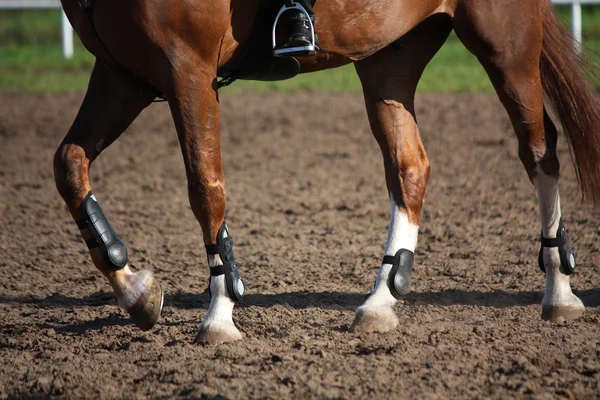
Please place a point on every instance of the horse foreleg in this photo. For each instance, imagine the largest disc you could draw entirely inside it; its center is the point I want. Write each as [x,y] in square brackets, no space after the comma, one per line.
[391,115]
[512,62]
[110,105]
[389,79]
[195,111]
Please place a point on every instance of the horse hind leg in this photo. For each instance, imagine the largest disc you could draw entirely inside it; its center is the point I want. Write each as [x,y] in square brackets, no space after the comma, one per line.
[110,105]
[510,53]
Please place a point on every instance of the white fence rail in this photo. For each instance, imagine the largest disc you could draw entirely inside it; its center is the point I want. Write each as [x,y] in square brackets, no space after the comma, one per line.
[576,15]
[67,31]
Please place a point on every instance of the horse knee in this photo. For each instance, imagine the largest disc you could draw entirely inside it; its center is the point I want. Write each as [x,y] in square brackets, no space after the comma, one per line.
[207,200]
[209,187]
[414,181]
[70,171]
[407,185]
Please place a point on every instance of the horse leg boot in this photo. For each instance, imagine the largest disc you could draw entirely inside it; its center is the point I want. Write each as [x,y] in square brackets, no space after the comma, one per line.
[195,110]
[513,64]
[108,108]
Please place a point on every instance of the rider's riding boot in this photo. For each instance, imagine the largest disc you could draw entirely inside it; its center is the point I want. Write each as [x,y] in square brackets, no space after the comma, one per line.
[300,41]
[301,32]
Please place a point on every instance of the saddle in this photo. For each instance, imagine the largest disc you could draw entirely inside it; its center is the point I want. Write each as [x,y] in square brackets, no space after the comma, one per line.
[263,59]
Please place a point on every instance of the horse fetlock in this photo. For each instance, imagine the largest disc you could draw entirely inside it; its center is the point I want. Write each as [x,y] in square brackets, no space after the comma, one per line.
[140,294]
[218,326]
[559,303]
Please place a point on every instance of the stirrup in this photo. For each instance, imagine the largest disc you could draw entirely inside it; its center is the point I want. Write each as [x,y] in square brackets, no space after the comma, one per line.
[309,49]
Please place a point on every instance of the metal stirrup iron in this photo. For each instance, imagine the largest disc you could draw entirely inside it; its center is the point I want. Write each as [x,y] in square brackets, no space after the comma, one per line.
[308,49]
[230,267]
[399,276]
[565,252]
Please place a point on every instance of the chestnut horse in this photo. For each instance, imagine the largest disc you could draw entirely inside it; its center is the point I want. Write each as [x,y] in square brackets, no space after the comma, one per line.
[180,48]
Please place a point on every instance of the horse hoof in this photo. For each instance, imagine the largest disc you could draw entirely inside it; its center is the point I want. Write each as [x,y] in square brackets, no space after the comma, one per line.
[562,313]
[381,319]
[217,333]
[145,299]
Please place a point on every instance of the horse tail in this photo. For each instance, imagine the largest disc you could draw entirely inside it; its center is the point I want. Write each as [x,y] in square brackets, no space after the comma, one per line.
[564,74]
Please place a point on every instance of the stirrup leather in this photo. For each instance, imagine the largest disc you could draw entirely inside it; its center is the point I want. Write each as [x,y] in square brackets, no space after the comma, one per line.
[309,49]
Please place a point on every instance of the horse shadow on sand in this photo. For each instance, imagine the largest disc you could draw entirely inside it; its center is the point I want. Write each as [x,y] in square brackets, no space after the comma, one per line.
[350,301]
[306,299]
[295,300]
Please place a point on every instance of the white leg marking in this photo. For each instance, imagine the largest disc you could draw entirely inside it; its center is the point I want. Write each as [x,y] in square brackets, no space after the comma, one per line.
[377,314]
[558,288]
[401,235]
[221,306]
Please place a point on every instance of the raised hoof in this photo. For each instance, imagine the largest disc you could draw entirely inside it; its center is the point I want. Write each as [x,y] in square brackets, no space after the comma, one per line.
[217,334]
[147,292]
[562,313]
[381,319]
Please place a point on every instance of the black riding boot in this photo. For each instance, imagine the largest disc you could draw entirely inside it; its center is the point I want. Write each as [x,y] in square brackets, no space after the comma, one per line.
[300,41]
[301,35]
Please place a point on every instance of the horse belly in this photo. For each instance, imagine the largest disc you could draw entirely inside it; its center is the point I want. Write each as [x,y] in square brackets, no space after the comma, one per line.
[355,31]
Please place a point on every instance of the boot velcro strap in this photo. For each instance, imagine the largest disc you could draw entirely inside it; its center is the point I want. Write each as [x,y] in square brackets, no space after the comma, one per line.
[81,224]
[554,242]
[212,249]
[390,260]
[90,243]
[223,249]
[224,269]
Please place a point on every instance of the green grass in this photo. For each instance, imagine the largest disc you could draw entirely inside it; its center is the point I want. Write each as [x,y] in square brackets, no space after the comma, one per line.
[41,68]
[31,61]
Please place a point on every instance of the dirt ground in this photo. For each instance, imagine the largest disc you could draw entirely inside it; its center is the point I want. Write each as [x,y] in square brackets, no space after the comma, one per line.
[308,210]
